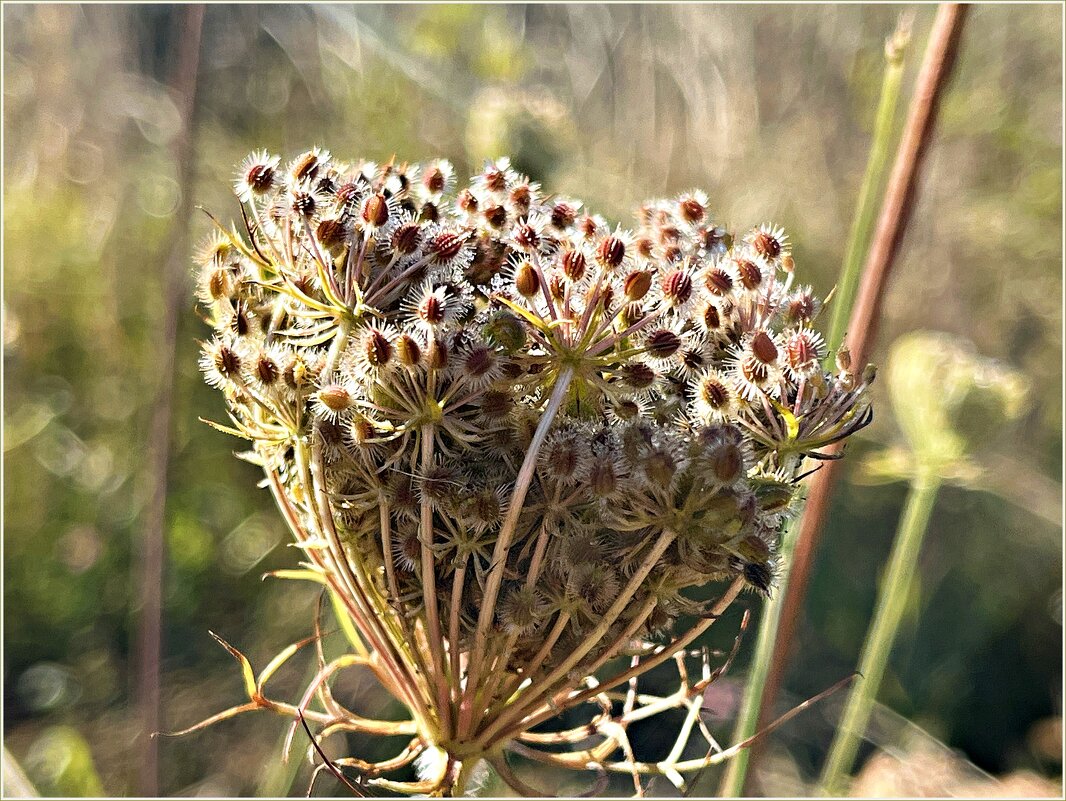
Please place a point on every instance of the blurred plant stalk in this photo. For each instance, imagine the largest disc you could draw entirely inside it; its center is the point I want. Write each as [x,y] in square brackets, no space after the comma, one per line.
[843,300]
[152,545]
[896,208]
[946,400]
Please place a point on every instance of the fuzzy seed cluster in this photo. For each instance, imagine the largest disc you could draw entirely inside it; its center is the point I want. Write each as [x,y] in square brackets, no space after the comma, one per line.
[439,349]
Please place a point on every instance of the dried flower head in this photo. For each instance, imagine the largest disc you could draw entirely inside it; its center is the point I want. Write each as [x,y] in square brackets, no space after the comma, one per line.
[508,437]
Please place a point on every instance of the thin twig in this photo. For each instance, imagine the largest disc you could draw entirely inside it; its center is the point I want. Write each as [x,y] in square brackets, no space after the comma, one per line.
[899,202]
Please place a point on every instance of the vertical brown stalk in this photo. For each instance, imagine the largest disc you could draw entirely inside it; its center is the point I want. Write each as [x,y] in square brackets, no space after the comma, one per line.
[896,211]
[152,548]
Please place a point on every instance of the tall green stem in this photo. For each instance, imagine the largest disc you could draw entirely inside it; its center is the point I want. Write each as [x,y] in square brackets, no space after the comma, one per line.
[873,182]
[898,582]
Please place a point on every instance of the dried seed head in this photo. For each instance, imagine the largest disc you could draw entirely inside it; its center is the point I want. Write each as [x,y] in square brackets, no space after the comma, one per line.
[603,478]
[718,281]
[526,237]
[750,274]
[496,404]
[267,371]
[331,233]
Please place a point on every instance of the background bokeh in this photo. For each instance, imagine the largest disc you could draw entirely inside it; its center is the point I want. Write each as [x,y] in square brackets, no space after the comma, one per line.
[768,108]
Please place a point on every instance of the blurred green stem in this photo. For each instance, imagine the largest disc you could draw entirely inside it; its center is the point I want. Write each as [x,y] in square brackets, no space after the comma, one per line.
[873,182]
[858,241]
[896,587]
[750,705]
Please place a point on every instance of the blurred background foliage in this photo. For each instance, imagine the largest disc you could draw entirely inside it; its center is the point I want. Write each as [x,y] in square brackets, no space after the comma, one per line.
[769,108]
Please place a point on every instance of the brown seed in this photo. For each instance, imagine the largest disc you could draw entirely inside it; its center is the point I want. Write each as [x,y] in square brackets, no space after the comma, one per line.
[495,180]
[611,252]
[303,204]
[711,318]
[438,354]
[574,264]
[376,210]
[563,215]
[330,233]
[260,178]
[714,393]
[431,310]
[718,281]
[637,284]
[766,245]
[467,201]
[335,398]
[526,280]
[710,238]
[433,180]
[638,375]
[677,286]
[557,287]
[446,246]
[266,370]
[750,274]
[526,236]
[602,478]
[406,238]
[692,210]
[521,198]
[496,216]
[227,361]
[347,192]
[763,348]
[307,166]
[663,343]
[430,212]
[378,349]
[408,350]
[801,350]
[496,404]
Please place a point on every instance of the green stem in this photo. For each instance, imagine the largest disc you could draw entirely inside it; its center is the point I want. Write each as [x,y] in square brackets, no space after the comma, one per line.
[751,706]
[896,587]
[873,181]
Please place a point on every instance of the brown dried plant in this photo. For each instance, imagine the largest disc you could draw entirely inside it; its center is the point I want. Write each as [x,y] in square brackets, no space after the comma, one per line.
[509,439]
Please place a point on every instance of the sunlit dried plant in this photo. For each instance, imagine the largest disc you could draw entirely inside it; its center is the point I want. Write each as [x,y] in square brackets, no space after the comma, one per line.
[509,438]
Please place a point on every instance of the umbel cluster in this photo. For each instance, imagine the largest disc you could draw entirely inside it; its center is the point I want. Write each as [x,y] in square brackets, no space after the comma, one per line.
[509,434]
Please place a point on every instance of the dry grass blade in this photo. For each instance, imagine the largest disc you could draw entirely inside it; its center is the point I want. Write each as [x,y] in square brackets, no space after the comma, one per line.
[356,790]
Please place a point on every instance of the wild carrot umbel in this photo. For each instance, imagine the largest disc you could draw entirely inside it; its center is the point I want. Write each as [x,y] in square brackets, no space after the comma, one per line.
[509,438]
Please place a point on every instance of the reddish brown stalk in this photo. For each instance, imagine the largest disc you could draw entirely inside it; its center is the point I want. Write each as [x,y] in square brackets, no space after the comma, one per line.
[152,548]
[896,211]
